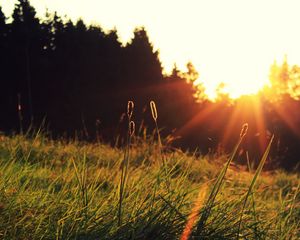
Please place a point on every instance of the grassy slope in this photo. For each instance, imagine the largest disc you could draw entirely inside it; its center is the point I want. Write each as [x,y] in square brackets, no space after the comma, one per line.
[58,190]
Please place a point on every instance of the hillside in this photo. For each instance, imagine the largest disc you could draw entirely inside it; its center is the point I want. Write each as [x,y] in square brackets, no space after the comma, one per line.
[71,190]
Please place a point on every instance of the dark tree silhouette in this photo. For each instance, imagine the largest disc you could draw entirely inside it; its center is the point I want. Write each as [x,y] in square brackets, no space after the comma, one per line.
[28,43]
[6,102]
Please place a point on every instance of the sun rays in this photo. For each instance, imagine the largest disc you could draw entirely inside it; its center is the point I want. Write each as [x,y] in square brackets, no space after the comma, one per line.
[227,119]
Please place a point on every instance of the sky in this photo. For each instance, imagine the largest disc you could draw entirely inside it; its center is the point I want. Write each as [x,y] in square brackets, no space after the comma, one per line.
[232,41]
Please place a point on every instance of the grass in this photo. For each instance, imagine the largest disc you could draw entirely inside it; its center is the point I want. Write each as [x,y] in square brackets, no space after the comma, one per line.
[125,163]
[71,190]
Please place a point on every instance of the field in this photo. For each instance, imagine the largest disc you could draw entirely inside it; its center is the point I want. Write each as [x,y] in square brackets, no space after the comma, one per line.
[74,190]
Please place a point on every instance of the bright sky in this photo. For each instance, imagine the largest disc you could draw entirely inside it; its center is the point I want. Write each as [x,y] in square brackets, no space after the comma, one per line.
[232,41]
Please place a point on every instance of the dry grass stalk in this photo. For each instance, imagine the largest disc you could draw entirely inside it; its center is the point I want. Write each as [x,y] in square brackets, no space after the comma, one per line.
[125,162]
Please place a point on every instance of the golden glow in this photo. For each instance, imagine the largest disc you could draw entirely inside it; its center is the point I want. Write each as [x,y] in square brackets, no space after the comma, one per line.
[233,41]
[194,213]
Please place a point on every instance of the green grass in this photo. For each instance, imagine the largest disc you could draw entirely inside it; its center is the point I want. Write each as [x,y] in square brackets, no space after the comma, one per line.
[71,190]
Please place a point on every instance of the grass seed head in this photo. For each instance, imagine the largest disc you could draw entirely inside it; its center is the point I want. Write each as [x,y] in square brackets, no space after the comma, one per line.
[130,107]
[153,110]
[244,130]
[131,128]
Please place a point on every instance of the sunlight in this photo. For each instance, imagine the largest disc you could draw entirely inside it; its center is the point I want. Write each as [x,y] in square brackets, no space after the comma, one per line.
[288,114]
[232,42]
[238,79]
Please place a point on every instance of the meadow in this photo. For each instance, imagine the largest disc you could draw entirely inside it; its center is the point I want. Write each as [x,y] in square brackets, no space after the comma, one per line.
[73,76]
[59,189]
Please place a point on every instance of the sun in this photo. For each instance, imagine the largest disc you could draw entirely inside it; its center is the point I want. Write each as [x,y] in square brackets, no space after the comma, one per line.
[237,79]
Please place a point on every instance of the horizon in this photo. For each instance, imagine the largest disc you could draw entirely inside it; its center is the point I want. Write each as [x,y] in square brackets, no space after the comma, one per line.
[234,43]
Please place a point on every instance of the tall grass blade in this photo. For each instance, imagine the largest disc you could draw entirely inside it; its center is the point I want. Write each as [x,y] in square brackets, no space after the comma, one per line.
[250,189]
[218,184]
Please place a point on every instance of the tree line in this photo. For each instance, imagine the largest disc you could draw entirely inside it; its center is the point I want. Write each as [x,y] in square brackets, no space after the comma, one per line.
[76,80]
[70,73]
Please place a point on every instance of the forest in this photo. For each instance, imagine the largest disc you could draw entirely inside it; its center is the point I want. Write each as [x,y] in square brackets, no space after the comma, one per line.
[75,79]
